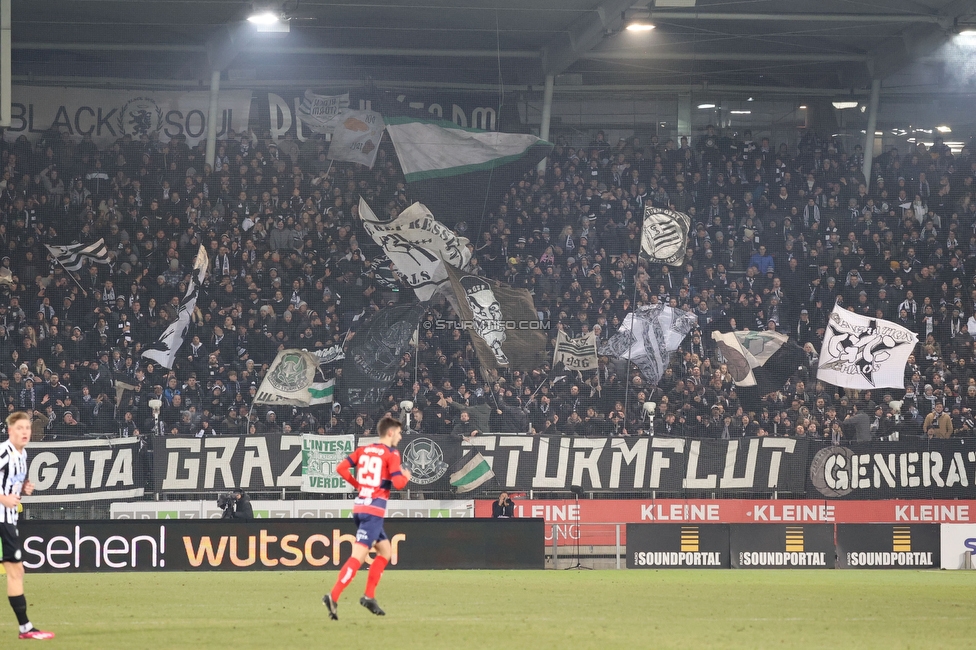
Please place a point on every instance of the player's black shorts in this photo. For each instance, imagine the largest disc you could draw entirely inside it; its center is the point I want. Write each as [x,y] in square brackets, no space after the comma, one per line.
[369,529]
[10,550]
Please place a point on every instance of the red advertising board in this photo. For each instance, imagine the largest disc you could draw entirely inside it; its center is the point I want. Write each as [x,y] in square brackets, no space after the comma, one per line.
[592,520]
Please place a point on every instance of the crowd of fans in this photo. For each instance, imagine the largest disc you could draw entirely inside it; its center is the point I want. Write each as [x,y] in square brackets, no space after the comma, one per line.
[779,235]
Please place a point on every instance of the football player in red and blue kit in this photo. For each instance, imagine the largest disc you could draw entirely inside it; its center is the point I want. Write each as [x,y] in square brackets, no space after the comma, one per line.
[377,472]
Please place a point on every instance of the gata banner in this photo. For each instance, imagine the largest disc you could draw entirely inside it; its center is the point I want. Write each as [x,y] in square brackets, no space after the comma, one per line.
[107,115]
[274,545]
[909,469]
[887,546]
[799,546]
[85,470]
[677,546]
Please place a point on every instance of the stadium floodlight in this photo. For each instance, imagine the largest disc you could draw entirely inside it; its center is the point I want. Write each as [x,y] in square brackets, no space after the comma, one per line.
[842,105]
[706,106]
[740,112]
[649,407]
[803,107]
[263,18]
[943,129]
[640,27]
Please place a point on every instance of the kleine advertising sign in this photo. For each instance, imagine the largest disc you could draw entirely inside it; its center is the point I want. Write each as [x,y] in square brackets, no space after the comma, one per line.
[592,519]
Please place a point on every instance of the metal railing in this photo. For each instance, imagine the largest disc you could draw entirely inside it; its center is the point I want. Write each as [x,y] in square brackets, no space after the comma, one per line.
[575,544]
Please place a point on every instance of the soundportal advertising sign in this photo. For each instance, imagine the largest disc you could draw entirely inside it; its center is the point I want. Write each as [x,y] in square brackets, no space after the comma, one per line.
[800,546]
[274,545]
[677,546]
[887,546]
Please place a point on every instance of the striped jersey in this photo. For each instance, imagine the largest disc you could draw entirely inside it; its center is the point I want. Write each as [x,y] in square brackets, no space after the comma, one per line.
[13,473]
[376,467]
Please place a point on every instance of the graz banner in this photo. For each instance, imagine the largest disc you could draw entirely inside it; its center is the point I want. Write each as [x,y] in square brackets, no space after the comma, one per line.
[910,469]
[85,470]
[107,115]
[677,546]
[886,546]
[253,463]
[274,545]
[320,457]
[799,546]
[665,464]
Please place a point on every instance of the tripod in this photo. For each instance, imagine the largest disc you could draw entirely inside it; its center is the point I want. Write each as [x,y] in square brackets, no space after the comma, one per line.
[577,491]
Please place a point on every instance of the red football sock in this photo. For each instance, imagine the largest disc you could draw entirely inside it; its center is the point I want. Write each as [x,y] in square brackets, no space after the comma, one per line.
[346,574]
[375,573]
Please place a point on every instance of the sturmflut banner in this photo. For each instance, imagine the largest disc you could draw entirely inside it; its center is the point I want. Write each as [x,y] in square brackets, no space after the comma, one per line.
[107,115]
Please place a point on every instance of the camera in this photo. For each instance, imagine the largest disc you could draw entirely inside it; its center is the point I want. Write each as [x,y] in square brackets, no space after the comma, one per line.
[227,502]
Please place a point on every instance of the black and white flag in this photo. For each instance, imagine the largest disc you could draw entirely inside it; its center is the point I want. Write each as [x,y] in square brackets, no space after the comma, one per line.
[171,340]
[375,354]
[418,245]
[864,353]
[73,256]
[575,354]
[648,336]
[664,235]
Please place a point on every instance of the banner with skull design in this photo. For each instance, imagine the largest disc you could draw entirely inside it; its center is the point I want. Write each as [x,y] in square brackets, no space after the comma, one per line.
[373,359]
[648,336]
[288,379]
[503,322]
[864,353]
[664,235]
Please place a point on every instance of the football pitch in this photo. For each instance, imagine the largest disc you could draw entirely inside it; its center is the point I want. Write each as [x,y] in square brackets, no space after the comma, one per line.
[508,609]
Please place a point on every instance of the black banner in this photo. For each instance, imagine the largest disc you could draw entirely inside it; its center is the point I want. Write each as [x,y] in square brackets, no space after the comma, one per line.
[254,463]
[677,546]
[916,469]
[374,356]
[669,465]
[275,545]
[86,470]
[772,546]
[887,546]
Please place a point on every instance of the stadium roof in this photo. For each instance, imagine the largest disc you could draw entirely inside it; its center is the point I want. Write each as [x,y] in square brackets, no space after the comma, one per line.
[783,44]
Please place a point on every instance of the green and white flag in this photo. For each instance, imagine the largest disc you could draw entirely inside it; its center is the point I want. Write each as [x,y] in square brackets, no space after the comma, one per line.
[451,169]
[320,457]
[321,392]
[475,473]
[289,379]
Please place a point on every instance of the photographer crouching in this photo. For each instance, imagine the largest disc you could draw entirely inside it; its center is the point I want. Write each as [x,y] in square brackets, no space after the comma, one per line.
[236,505]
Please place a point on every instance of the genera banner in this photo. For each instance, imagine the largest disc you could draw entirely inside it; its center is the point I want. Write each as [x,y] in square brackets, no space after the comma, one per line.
[886,546]
[274,545]
[85,470]
[933,469]
[107,115]
[676,546]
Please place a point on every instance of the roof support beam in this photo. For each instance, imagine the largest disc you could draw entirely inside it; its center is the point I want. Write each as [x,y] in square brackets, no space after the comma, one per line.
[584,34]
[722,56]
[797,17]
[267,50]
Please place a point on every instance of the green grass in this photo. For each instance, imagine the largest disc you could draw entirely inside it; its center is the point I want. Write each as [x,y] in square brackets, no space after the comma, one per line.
[498,609]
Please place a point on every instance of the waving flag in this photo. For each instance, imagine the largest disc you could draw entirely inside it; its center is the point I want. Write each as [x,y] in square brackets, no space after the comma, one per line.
[171,340]
[375,352]
[864,353]
[648,336]
[319,113]
[289,379]
[575,354]
[452,169]
[763,359]
[73,256]
[416,243]
[664,235]
[356,137]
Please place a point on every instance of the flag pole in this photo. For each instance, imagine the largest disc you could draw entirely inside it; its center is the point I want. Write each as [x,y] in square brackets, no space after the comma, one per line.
[70,275]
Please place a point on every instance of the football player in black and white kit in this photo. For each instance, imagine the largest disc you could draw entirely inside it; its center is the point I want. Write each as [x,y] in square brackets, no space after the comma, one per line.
[13,483]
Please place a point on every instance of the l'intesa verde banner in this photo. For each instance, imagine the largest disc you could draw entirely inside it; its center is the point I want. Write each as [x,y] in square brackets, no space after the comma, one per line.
[320,457]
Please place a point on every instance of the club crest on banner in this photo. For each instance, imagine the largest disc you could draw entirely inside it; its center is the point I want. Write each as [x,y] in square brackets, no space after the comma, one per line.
[140,116]
[425,460]
[664,235]
[290,374]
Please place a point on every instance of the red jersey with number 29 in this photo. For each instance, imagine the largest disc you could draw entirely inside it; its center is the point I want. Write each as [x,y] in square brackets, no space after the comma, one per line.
[377,472]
